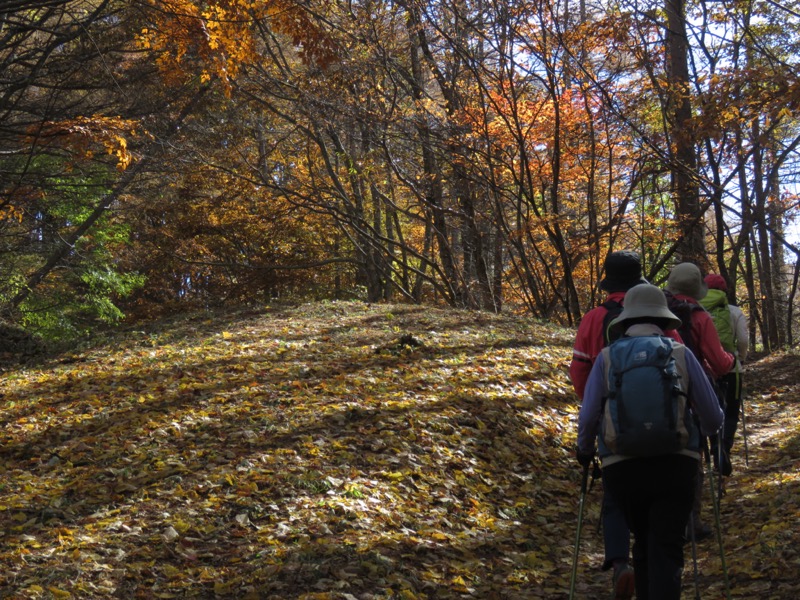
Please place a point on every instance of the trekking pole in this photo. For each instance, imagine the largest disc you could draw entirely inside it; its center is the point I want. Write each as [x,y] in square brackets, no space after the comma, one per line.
[599,527]
[723,403]
[740,391]
[584,485]
[744,436]
[597,474]
[693,537]
[720,455]
[715,504]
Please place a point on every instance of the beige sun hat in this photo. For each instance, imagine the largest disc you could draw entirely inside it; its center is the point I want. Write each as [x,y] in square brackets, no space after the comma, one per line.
[686,279]
[648,301]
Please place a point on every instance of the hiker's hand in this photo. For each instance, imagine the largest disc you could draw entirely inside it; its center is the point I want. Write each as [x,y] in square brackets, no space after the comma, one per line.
[584,458]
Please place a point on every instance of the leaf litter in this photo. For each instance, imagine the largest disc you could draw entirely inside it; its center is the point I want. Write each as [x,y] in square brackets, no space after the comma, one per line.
[342,450]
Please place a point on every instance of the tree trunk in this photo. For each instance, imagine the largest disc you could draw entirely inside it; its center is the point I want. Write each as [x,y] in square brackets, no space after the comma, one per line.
[685,190]
[434,197]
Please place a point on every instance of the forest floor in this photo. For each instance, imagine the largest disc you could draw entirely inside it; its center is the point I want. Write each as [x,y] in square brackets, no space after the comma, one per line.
[347,452]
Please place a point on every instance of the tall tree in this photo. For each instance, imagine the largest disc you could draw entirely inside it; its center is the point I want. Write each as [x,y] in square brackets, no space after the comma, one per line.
[682,136]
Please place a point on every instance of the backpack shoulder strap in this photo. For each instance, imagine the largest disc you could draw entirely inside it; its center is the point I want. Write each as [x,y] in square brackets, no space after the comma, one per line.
[684,311]
[613,308]
[679,353]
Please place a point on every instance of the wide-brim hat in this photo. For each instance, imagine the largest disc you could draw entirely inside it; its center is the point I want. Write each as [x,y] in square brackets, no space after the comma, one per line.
[686,279]
[623,270]
[648,302]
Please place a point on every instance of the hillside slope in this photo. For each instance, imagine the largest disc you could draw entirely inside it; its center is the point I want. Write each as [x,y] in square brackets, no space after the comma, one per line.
[341,451]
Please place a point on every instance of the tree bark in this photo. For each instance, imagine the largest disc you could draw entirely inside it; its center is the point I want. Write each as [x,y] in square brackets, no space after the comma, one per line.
[685,189]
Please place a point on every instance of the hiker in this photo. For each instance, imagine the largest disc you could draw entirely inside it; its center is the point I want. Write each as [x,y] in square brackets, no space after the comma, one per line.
[684,290]
[731,325]
[655,488]
[622,270]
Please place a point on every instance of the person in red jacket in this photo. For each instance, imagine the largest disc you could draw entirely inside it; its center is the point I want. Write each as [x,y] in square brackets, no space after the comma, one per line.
[622,271]
[684,290]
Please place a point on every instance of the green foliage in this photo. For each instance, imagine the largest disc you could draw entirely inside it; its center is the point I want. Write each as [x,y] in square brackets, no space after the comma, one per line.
[63,313]
[84,290]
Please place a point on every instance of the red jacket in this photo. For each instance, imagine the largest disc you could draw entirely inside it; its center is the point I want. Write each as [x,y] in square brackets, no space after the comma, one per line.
[589,341]
[705,339]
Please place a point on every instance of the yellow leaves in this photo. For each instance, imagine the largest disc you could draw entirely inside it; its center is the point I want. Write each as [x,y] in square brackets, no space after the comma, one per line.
[120,150]
[223,588]
[144,39]
[181,526]
[218,37]
[396,475]
[83,133]
[171,572]
[11,212]
[248,488]
[64,536]
[438,536]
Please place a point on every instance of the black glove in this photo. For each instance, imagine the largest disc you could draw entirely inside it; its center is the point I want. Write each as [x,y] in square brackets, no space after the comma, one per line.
[584,458]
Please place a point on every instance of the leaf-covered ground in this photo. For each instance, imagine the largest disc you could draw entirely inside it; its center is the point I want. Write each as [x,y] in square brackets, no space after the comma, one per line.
[344,451]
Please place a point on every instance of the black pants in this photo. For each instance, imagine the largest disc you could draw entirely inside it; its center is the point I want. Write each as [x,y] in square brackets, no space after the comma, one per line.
[733,404]
[730,389]
[616,536]
[656,495]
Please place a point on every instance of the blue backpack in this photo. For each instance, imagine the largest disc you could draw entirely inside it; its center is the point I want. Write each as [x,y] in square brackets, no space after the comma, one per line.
[646,412]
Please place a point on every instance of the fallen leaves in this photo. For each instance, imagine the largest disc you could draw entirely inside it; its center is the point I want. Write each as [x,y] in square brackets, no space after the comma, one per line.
[305,453]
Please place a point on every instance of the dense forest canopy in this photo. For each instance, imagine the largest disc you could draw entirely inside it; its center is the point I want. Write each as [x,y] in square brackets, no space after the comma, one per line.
[480,154]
